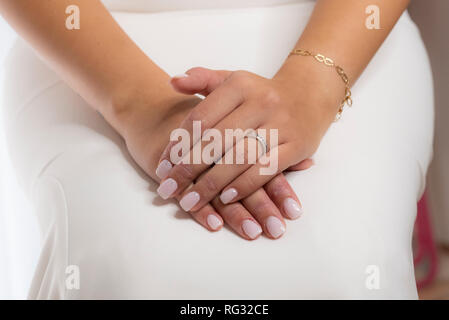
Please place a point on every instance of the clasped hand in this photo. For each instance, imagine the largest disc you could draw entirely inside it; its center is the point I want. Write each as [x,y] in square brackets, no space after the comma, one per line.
[241,100]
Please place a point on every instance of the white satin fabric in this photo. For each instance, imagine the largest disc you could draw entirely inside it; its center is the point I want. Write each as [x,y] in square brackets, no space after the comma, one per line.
[99,212]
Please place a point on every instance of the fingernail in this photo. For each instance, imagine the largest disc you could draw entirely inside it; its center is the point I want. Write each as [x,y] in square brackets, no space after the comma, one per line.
[292,208]
[275,227]
[182,75]
[167,188]
[163,169]
[189,200]
[213,222]
[228,195]
[251,229]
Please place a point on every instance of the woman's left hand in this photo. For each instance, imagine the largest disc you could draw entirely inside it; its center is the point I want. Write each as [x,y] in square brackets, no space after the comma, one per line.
[299,111]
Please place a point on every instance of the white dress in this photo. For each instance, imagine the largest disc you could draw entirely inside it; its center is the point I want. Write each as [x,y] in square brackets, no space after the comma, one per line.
[99,213]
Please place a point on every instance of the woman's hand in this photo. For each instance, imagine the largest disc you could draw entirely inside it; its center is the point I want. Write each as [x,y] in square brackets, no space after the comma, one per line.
[296,109]
[146,123]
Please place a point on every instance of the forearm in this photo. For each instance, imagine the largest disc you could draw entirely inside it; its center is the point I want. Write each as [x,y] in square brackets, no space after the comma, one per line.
[99,61]
[337,30]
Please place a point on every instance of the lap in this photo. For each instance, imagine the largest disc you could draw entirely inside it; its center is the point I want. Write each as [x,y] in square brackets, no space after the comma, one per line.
[106,218]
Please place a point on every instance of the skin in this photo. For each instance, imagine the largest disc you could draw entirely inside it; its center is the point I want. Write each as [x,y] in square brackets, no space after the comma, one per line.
[99,61]
[300,101]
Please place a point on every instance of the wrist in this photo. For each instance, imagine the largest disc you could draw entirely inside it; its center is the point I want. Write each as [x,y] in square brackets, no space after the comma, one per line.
[315,84]
[131,104]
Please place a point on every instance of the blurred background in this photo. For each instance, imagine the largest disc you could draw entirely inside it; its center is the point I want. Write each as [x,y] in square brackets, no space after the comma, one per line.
[20,239]
[432,18]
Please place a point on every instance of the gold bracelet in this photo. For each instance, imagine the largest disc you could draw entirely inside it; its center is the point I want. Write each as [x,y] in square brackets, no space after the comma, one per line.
[330,63]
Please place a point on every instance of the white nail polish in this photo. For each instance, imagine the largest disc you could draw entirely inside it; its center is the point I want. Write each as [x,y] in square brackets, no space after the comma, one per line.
[275,227]
[228,195]
[163,169]
[213,222]
[167,188]
[182,75]
[189,200]
[292,208]
[251,229]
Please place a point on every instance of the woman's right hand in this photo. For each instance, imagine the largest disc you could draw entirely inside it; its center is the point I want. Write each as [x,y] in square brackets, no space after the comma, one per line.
[145,122]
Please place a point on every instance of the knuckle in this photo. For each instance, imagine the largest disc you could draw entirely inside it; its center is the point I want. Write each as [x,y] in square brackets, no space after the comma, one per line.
[209,186]
[278,187]
[264,206]
[240,74]
[270,97]
[197,114]
[240,78]
[250,184]
[184,172]
[234,212]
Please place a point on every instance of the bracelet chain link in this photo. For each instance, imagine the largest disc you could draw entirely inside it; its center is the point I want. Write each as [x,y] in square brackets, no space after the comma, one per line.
[330,63]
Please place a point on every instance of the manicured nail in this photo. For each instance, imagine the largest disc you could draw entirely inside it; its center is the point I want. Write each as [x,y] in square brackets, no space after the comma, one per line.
[251,229]
[228,195]
[213,222]
[167,188]
[292,208]
[189,200]
[163,169]
[275,227]
[182,75]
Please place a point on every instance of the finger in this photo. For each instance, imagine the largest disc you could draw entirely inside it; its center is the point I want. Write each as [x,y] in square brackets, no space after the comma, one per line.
[266,213]
[210,184]
[215,143]
[199,80]
[205,115]
[257,175]
[239,219]
[303,165]
[208,218]
[283,196]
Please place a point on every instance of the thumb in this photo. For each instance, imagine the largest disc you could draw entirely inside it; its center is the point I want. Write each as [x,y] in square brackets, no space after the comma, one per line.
[199,80]
[303,165]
